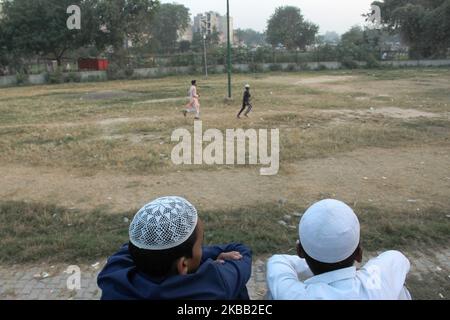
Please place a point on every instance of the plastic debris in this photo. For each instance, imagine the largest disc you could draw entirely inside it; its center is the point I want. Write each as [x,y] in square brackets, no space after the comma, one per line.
[42,275]
[282,201]
[282,223]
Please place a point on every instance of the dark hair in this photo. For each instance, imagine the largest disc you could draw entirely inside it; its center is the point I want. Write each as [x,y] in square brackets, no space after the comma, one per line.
[194,82]
[162,263]
[320,267]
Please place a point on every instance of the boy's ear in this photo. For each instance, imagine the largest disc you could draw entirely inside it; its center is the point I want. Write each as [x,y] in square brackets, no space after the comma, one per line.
[300,251]
[359,255]
[182,266]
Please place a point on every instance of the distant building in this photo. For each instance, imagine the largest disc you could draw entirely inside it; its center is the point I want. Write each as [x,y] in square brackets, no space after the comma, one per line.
[209,22]
[186,35]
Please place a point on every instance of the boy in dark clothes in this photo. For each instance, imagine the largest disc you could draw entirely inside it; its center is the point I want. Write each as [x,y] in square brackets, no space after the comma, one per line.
[246,102]
[165,259]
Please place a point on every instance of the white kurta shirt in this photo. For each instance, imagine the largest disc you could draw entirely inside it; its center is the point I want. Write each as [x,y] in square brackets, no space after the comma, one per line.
[382,278]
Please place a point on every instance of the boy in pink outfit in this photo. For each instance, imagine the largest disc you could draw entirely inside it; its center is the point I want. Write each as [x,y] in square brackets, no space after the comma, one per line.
[194,103]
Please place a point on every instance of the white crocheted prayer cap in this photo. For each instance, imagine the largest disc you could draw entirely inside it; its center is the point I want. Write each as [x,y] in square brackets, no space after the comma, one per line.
[329,231]
[163,224]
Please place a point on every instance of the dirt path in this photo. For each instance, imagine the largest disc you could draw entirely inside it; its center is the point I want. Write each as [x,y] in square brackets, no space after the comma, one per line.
[399,178]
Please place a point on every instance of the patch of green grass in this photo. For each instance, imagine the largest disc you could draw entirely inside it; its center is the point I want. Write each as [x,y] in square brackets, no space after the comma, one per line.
[32,232]
[35,232]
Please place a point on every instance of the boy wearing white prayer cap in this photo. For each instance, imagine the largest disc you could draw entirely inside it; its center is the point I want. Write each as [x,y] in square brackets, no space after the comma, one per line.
[324,268]
[165,259]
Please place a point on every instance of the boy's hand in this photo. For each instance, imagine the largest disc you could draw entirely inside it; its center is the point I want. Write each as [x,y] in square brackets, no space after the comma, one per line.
[234,255]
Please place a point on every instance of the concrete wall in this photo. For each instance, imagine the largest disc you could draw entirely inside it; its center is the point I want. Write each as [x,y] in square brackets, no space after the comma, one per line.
[331,65]
[89,76]
[36,79]
[154,72]
[417,63]
[7,81]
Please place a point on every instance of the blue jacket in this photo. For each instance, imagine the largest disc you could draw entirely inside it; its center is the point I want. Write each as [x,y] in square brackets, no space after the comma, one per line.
[120,279]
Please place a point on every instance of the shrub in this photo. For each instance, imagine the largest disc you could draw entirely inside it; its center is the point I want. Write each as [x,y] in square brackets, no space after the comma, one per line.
[372,63]
[73,77]
[22,78]
[276,67]
[255,68]
[56,77]
[349,63]
[129,72]
[193,70]
[304,66]
[290,67]
[94,78]
[114,72]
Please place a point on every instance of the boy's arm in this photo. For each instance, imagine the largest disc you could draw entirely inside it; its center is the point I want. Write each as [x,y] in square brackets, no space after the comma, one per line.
[389,270]
[213,252]
[282,277]
[234,273]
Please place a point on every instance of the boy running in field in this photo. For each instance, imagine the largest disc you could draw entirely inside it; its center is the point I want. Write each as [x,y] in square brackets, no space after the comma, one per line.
[246,102]
[194,103]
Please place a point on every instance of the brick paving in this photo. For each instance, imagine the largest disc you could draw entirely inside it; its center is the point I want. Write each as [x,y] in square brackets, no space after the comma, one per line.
[46,282]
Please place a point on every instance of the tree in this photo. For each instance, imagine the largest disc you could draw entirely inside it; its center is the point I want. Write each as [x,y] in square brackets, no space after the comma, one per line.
[125,20]
[39,27]
[251,37]
[331,37]
[355,36]
[184,46]
[213,39]
[170,21]
[423,24]
[288,27]
[359,44]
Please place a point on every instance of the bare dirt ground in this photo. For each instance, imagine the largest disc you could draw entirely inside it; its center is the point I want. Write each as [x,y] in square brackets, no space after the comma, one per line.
[383,176]
[389,112]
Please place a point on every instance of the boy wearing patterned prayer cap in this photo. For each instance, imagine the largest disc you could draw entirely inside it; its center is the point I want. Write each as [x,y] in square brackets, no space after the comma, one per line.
[165,259]
[323,269]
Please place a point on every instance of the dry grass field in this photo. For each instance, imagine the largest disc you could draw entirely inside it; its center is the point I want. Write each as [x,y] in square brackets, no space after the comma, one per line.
[78,160]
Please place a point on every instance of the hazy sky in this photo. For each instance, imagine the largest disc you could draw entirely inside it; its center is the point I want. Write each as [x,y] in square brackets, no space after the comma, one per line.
[330,15]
